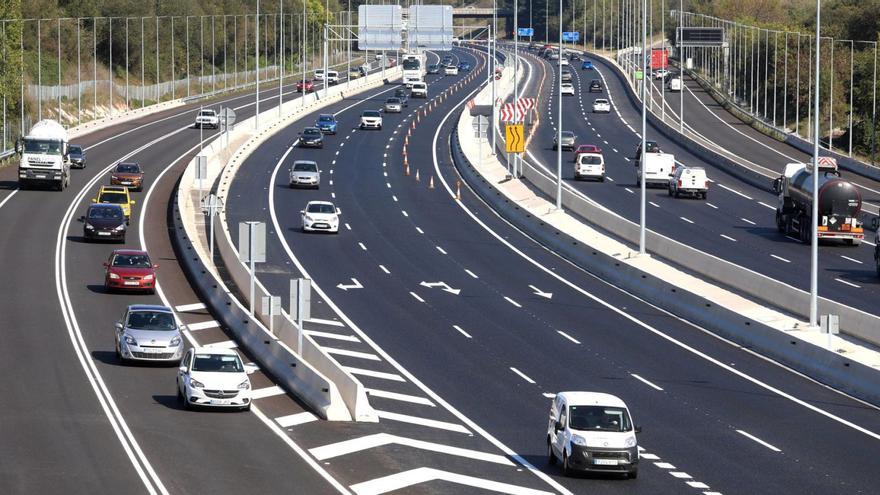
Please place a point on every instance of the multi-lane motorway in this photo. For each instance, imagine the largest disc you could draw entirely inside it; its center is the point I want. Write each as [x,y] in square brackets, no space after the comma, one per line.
[460,326]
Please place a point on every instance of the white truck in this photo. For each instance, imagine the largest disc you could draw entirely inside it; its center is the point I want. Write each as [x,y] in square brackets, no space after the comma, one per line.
[44,156]
[414,68]
[207,118]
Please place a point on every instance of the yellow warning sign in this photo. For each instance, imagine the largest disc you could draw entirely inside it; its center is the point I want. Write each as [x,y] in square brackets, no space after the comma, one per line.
[516,141]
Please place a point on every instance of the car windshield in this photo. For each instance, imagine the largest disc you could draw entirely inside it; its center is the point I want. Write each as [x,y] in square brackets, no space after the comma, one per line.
[75,150]
[567,135]
[206,113]
[151,320]
[100,212]
[42,146]
[590,160]
[393,101]
[311,131]
[371,113]
[132,261]
[599,418]
[115,198]
[305,167]
[411,64]
[320,208]
[326,118]
[220,363]
[433,66]
[128,168]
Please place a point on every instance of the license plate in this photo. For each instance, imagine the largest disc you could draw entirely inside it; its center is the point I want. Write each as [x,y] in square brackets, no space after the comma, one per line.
[126,183]
[221,402]
[154,351]
[131,283]
[40,176]
[103,233]
[605,462]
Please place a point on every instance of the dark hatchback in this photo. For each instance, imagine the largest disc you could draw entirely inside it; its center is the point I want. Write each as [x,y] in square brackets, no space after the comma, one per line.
[77,156]
[401,94]
[104,222]
[433,69]
[311,137]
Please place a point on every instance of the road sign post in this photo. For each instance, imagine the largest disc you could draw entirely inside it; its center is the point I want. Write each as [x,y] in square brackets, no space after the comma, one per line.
[201,164]
[252,249]
[300,306]
[271,307]
[212,205]
[227,120]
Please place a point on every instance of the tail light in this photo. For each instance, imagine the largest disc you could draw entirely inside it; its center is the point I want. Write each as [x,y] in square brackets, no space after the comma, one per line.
[679,183]
[706,184]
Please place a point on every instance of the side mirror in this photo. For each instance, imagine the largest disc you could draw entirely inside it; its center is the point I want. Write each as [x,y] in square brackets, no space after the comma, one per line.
[875,222]
[557,426]
[105,264]
[302,211]
[777,185]
[182,370]
[94,200]
[156,266]
[82,218]
[638,429]
[118,325]
[18,147]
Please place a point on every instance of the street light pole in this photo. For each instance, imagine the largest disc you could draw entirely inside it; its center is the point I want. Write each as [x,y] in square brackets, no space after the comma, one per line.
[559,124]
[516,71]
[257,52]
[814,245]
[281,78]
[644,125]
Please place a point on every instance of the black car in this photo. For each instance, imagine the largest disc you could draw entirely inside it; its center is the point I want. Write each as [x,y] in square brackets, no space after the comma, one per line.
[433,69]
[400,93]
[595,86]
[77,156]
[311,137]
[464,66]
[574,56]
[104,221]
[447,62]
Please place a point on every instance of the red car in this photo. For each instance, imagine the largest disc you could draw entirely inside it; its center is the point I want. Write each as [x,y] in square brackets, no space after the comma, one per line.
[586,148]
[308,86]
[130,269]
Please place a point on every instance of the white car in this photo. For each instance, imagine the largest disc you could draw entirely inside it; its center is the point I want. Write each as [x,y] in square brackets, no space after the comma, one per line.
[674,84]
[207,118]
[332,77]
[563,61]
[419,90]
[601,105]
[320,216]
[689,180]
[213,377]
[371,119]
[660,73]
[319,74]
[590,166]
[567,89]
[450,70]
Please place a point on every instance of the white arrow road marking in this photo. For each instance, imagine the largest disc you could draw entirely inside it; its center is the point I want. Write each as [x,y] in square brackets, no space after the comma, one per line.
[443,285]
[539,292]
[354,285]
[416,476]
[381,439]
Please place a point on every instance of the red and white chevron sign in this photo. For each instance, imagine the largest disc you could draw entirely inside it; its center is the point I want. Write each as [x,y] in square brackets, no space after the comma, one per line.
[510,113]
[471,104]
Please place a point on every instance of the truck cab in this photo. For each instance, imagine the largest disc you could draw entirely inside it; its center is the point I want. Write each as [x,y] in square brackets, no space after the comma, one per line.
[45,158]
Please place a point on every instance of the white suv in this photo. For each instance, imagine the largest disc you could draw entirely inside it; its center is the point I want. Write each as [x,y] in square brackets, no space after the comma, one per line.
[319,74]
[371,119]
[214,377]
[208,118]
[332,77]
[419,90]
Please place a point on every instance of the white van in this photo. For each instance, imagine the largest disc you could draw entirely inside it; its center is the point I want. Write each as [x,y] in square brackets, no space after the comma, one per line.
[592,431]
[590,166]
[658,168]
[689,180]
[674,84]
[319,74]
[332,77]
[419,90]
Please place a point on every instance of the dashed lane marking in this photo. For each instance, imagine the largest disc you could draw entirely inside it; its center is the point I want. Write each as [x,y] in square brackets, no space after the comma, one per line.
[404,213]
[420,231]
[413,399]
[646,382]
[461,331]
[183,308]
[511,301]
[418,298]
[356,354]
[734,191]
[851,259]
[746,220]
[688,220]
[848,283]
[441,250]
[728,237]
[780,258]
[712,206]
[417,420]
[361,244]
[628,190]
[758,440]
[382,267]
[766,205]
[680,475]
[522,375]
[567,336]
[664,465]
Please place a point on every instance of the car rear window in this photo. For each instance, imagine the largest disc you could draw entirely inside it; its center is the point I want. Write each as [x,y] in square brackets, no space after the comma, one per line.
[114,198]
[127,168]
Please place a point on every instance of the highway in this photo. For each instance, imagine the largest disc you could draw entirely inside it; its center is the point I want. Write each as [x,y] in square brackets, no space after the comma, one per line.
[736,222]
[477,325]
[75,418]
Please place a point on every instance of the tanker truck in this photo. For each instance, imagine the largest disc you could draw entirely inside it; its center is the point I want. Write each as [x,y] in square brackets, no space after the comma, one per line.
[839,204]
[44,156]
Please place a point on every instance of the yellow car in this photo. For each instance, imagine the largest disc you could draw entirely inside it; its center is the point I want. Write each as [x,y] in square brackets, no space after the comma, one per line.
[354,73]
[116,195]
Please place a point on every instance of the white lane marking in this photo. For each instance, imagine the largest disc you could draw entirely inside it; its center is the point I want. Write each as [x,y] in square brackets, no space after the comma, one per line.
[382,267]
[746,220]
[418,298]
[413,399]
[697,484]
[404,213]
[646,382]
[650,457]
[628,190]
[522,375]
[322,321]
[361,244]
[848,283]
[680,475]
[405,479]
[7,198]
[417,420]
[766,205]
[756,439]
[711,205]
[347,226]
[331,182]
[374,374]
[734,191]
[295,419]
[780,258]
[609,179]
[202,325]
[375,440]
[686,220]
[472,274]
[420,231]
[511,301]
[567,336]
[728,237]
[262,393]
[388,184]
[331,335]
[655,205]
[225,344]
[394,198]
[333,195]
[183,308]
[356,354]
[462,331]
[664,465]
[851,259]
[441,250]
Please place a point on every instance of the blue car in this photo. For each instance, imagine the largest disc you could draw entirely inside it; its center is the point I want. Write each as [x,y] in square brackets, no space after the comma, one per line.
[587,65]
[327,123]
[464,66]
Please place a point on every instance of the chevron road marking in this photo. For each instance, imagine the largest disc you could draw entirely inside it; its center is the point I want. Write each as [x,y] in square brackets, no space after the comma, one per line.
[424,474]
[381,439]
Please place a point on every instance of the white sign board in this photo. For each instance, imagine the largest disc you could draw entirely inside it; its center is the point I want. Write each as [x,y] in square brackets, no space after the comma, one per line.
[430,27]
[246,232]
[379,27]
[201,167]
[301,298]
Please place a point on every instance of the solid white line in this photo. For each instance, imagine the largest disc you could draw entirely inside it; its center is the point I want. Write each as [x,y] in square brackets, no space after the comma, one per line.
[711,205]
[225,344]
[414,399]
[418,298]
[646,382]
[752,437]
[511,301]
[382,267]
[728,237]
[361,244]
[320,321]
[686,220]
[851,259]
[780,258]
[441,250]
[848,283]
[472,274]
[766,205]
[375,374]
[462,331]
[567,336]
[416,420]
[183,308]
[522,375]
[346,352]
[7,198]
[295,419]
[330,335]
[262,393]
[746,220]
[734,191]
[202,325]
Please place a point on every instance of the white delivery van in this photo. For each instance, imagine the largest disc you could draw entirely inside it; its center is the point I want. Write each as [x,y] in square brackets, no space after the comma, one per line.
[590,166]
[419,90]
[592,431]
[658,168]
[674,84]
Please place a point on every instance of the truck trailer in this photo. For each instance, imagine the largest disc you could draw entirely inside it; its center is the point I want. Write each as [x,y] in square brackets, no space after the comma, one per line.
[839,204]
[45,159]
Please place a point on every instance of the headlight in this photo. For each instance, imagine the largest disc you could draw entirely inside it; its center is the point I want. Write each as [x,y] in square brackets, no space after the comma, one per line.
[120,228]
[113,177]
[196,384]
[630,442]
[148,277]
[129,339]
[245,385]
[89,227]
[175,341]
[579,440]
[114,276]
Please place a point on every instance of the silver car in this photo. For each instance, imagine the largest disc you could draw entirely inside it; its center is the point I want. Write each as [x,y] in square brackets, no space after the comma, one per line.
[148,333]
[568,141]
[305,173]
[393,105]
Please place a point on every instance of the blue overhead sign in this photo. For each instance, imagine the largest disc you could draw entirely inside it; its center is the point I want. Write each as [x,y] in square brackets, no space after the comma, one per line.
[525,32]
[571,36]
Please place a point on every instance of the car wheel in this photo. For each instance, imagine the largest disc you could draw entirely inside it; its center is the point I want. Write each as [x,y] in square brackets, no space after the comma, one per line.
[705,195]
[566,469]
[180,397]
[118,354]
[602,179]
[633,474]
[669,190]
[551,457]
